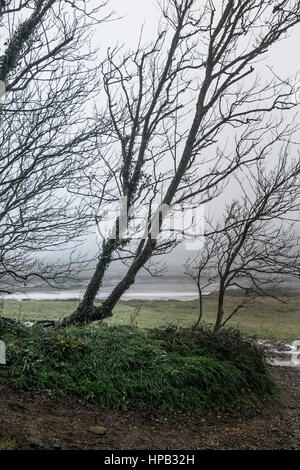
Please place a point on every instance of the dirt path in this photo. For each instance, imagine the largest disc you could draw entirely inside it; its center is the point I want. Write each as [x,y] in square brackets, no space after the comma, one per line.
[31,418]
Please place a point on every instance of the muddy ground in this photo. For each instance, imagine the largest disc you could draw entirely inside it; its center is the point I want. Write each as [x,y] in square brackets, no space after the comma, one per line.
[31,420]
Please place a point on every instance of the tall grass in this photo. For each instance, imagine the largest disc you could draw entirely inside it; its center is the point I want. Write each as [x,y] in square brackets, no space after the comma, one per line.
[168,369]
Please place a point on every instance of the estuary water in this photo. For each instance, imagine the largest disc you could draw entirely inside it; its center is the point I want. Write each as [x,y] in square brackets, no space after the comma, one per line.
[145,291]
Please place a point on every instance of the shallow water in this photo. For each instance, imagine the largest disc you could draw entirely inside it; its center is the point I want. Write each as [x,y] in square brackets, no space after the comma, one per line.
[153,290]
[282,354]
[76,294]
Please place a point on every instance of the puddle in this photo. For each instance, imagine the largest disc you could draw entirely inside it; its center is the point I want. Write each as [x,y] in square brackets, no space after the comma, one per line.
[282,354]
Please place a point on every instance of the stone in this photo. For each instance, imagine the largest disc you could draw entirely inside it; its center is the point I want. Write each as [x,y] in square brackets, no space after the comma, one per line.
[99,430]
[36,446]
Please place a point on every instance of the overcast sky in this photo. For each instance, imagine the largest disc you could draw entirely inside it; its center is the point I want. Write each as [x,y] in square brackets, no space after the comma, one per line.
[135,13]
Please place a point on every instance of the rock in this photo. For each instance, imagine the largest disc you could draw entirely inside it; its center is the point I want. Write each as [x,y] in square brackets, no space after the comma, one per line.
[36,446]
[99,430]
[55,447]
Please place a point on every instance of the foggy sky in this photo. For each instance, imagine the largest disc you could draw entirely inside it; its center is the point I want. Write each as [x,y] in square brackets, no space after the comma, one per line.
[132,15]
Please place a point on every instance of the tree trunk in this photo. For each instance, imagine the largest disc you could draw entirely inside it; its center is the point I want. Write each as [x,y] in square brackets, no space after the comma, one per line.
[86,311]
[106,308]
[200,309]
[220,312]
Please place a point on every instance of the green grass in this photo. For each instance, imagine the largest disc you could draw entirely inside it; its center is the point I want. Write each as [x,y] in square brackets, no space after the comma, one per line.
[168,369]
[263,317]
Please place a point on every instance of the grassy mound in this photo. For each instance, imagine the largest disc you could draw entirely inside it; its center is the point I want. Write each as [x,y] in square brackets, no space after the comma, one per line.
[168,369]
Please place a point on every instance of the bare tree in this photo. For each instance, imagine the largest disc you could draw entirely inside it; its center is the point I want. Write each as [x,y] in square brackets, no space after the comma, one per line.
[254,246]
[47,133]
[171,104]
[202,270]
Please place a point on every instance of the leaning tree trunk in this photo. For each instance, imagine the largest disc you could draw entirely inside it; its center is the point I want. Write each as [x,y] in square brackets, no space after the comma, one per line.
[106,308]
[86,310]
[92,313]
